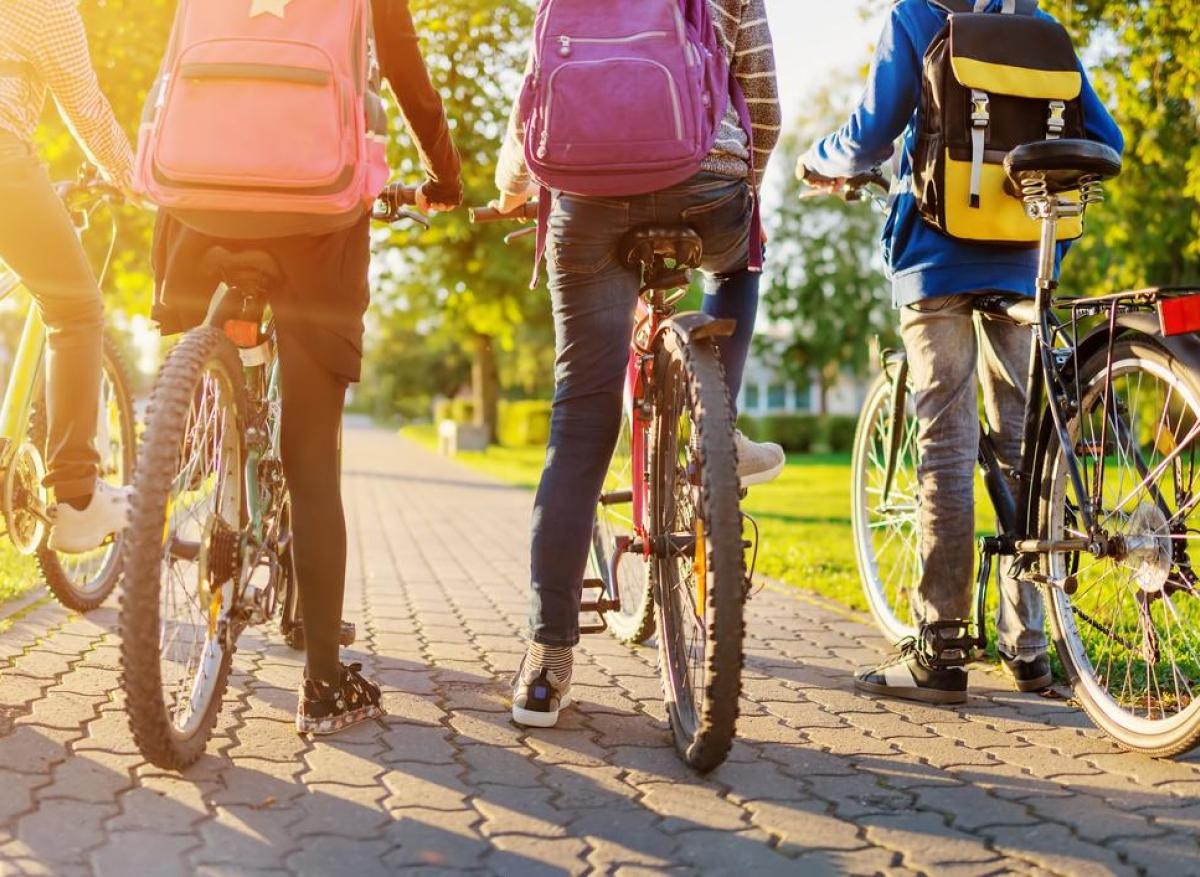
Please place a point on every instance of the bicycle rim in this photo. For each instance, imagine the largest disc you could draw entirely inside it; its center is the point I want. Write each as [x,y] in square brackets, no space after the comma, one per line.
[83,581]
[1130,635]
[183,562]
[699,568]
[634,622]
[886,528]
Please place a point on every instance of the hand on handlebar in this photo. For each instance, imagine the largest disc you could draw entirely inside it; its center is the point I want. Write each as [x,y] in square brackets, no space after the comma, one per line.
[423,203]
[511,202]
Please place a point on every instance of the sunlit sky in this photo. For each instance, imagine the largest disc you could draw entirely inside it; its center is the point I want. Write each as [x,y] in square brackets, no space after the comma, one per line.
[813,40]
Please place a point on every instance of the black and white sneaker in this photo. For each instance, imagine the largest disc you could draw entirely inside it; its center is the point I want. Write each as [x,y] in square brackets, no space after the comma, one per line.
[327,709]
[542,686]
[929,667]
[1029,675]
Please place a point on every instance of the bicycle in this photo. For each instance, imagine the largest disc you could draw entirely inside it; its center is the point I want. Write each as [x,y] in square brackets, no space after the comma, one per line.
[668,529]
[1102,517]
[208,551]
[80,582]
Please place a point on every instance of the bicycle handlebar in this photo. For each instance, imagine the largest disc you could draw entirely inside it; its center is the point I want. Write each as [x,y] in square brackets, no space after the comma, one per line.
[851,188]
[524,213]
[392,201]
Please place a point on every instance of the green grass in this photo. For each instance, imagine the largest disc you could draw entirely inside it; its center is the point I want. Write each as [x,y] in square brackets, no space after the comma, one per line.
[17,573]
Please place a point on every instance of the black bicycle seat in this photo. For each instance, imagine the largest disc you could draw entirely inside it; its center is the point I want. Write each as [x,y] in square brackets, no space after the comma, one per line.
[648,244]
[230,264]
[1015,309]
[1065,163]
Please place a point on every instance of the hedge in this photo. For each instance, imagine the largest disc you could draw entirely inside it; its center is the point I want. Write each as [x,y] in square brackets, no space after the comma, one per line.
[521,424]
[803,433]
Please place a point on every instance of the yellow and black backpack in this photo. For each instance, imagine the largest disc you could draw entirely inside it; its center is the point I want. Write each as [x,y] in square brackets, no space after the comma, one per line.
[992,82]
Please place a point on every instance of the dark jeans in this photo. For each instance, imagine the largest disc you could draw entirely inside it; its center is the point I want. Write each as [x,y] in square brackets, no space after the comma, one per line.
[594,297]
[38,241]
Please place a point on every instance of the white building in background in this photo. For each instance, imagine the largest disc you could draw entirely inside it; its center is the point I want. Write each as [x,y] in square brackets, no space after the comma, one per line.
[766,389]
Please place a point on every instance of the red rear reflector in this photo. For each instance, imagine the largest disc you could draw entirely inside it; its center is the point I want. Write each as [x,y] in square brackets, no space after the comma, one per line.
[1179,316]
[243,333]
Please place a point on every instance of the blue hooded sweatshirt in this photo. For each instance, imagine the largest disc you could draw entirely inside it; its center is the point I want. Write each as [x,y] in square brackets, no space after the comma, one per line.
[922,262]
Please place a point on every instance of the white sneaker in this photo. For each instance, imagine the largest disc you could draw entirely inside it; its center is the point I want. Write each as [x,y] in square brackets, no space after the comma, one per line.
[758,462]
[78,530]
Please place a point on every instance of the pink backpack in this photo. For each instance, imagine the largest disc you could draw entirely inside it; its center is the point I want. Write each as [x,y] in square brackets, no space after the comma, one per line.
[625,97]
[266,118]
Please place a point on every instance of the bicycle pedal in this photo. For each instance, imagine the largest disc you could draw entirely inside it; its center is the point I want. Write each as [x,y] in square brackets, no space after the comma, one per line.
[347,634]
[597,607]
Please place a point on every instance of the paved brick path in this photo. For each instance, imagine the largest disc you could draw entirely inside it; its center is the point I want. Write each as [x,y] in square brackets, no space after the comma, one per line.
[821,781]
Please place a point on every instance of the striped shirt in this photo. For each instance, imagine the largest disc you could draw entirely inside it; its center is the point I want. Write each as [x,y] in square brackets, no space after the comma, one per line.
[43,48]
[743,29]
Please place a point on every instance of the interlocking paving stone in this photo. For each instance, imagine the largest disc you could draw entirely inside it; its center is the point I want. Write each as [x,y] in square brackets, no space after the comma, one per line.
[820,781]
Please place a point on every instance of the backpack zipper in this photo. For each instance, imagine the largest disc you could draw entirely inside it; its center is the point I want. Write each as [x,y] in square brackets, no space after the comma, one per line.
[565,42]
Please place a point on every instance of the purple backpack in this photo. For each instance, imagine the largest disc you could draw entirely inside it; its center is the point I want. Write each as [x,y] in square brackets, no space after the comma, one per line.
[624,97]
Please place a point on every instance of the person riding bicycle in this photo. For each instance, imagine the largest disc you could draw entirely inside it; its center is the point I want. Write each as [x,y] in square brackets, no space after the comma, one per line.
[43,47]
[934,278]
[318,308]
[593,298]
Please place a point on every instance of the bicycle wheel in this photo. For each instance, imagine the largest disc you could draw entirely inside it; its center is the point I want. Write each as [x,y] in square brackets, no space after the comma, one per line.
[885,523]
[633,623]
[1130,636]
[83,581]
[699,567]
[182,550]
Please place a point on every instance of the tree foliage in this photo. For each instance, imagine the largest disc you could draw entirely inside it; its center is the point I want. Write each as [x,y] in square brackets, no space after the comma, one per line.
[826,282]
[459,283]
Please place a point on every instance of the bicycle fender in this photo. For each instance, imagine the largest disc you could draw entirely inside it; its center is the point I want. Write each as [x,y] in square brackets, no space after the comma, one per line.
[695,326]
[1185,348]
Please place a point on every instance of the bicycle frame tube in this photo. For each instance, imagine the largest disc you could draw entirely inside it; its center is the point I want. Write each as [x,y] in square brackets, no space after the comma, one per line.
[22,381]
[639,423]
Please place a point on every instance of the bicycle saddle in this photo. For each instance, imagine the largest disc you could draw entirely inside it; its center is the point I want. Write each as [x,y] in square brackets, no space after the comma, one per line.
[1066,163]
[230,264]
[1016,309]
[650,244]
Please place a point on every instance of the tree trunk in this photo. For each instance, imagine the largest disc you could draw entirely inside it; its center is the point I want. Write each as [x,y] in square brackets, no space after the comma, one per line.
[822,397]
[485,385]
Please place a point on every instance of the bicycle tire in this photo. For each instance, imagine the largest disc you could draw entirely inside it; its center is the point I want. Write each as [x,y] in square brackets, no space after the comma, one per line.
[55,569]
[690,382]
[633,623]
[885,584]
[1163,738]
[201,351]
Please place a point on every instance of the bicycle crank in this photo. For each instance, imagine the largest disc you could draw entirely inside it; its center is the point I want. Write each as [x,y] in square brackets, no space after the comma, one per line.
[26,499]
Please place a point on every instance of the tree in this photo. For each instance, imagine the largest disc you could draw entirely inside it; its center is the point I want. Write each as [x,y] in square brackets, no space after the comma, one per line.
[826,284]
[458,279]
[1145,61]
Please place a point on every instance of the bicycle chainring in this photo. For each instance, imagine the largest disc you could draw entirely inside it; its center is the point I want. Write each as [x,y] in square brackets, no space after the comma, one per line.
[26,499]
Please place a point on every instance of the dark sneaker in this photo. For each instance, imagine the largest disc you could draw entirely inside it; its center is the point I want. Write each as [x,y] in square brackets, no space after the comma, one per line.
[929,668]
[325,709]
[1034,675]
[539,694]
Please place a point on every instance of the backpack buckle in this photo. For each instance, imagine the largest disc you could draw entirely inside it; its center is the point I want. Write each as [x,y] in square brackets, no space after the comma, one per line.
[981,115]
[1057,122]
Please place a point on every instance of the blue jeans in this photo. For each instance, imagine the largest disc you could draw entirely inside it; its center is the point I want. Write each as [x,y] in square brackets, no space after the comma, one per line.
[594,298]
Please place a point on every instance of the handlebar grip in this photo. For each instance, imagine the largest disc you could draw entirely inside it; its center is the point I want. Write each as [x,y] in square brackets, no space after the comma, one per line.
[527,211]
[399,195]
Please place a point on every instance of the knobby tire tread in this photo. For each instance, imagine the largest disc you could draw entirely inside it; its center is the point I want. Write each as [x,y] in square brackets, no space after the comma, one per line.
[157,467]
[712,413]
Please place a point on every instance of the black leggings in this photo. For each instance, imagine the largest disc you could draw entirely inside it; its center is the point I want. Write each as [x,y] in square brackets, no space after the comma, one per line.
[313,398]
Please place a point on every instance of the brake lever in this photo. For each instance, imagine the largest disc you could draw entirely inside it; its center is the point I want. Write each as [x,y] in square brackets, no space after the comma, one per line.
[522,233]
[393,215]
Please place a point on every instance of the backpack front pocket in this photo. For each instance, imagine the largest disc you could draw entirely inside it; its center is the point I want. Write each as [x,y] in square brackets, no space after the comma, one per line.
[613,114]
[254,114]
